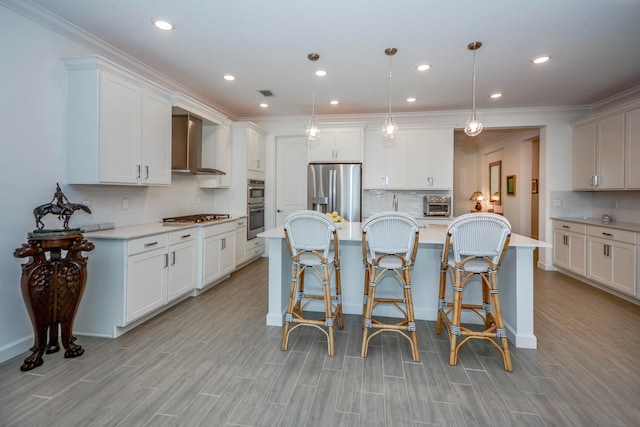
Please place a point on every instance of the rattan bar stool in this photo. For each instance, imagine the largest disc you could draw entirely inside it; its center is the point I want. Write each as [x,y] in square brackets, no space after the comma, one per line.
[477,243]
[313,245]
[389,246]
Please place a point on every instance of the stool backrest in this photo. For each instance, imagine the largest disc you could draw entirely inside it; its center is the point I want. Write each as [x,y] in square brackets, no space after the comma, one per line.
[390,233]
[478,235]
[310,231]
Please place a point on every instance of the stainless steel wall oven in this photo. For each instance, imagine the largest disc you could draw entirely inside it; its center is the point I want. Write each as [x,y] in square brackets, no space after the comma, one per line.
[255,207]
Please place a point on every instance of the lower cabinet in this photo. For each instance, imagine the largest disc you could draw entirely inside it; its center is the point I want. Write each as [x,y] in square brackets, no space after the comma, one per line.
[146,282]
[569,246]
[241,241]
[255,248]
[218,251]
[612,258]
[183,257]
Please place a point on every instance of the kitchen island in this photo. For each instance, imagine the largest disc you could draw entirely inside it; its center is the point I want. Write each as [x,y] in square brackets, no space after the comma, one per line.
[515,278]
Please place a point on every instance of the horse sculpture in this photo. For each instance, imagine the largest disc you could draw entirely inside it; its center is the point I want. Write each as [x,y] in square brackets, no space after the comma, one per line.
[59,206]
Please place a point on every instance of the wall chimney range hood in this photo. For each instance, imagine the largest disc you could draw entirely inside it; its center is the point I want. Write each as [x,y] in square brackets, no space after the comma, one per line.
[186,146]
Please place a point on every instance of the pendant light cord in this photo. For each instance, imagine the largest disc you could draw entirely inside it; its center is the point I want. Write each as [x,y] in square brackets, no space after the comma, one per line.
[390,56]
[473,83]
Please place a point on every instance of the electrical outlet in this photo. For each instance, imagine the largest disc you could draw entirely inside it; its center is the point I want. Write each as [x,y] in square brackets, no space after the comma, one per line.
[557,203]
[614,204]
[125,203]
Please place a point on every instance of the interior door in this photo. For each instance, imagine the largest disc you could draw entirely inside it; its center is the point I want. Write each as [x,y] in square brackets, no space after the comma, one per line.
[291,176]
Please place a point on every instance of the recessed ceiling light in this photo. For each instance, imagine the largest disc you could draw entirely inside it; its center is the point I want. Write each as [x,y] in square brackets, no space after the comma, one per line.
[496,95]
[162,24]
[423,67]
[334,102]
[264,105]
[411,99]
[321,73]
[229,77]
[540,59]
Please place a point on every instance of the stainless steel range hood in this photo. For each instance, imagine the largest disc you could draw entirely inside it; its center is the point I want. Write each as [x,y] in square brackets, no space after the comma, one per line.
[186,146]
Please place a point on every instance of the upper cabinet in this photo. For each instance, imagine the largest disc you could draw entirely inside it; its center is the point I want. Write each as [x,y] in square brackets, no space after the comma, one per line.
[249,142]
[257,149]
[418,158]
[632,171]
[119,126]
[340,143]
[605,151]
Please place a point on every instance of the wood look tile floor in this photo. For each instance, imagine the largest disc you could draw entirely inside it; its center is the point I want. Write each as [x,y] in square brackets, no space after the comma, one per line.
[211,361]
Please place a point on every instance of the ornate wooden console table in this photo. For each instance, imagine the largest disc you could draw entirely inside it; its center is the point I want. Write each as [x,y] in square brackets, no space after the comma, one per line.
[52,287]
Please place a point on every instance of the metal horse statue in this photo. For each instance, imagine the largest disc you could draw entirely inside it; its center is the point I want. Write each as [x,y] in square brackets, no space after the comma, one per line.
[60,206]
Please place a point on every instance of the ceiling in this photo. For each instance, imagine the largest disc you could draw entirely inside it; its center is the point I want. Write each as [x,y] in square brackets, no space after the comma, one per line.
[593,43]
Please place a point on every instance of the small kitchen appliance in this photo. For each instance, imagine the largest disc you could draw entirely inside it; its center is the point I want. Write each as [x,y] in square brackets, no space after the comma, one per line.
[439,206]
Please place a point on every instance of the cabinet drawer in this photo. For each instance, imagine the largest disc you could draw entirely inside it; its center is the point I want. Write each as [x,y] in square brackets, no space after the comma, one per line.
[257,243]
[570,226]
[612,234]
[213,230]
[241,224]
[184,235]
[148,243]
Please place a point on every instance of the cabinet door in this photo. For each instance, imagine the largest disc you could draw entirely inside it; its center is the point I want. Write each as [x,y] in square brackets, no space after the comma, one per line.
[323,148]
[156,139]
[599,260]
[223,155]
[610,157]
[440,155]
[120,119]
[182,269]
[349,145]
[227,253]
[211,259]
[623,269]
[256,156]
[632,157]
[560,249]
[240,243]
[373,171]
[146,283]
[584,156]
[577,253]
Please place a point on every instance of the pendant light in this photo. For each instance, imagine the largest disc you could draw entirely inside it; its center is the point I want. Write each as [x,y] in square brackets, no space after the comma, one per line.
[390,127]
[474,125]
[312,128]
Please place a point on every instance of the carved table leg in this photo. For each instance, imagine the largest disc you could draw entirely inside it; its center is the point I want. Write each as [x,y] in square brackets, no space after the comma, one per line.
[53,346]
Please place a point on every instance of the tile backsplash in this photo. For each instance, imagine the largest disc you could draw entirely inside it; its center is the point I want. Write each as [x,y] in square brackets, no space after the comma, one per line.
[376,201]
[623,206]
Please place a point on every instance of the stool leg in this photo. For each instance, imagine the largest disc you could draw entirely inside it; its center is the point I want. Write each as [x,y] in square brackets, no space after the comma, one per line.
[486,301]
[290,305]
[338,295]
[455,317]
[371,291]
[410,315]
[328,312]
[497,309]
[365,294]
[441,294]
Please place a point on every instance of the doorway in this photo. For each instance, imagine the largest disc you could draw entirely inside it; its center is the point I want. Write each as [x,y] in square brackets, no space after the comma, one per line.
[291,176]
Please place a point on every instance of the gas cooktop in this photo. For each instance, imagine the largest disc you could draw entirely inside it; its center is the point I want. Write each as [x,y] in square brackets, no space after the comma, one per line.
[194,219]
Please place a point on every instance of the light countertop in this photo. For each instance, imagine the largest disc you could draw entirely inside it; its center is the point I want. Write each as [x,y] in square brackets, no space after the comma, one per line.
[429,234]
[628,226]
[142,230]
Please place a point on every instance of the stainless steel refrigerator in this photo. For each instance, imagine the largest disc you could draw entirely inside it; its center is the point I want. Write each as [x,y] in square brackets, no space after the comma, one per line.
[335,187]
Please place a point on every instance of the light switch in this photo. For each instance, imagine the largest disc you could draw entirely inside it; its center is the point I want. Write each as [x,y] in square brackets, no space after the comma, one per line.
[125,203]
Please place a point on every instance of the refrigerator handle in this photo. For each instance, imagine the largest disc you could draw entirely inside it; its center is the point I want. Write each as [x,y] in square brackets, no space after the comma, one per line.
[332,193]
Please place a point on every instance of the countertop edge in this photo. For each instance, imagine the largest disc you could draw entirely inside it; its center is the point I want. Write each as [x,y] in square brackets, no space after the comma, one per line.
[618,225]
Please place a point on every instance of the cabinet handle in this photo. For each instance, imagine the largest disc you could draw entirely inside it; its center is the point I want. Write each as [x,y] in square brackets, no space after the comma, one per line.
[185,236]
[137,171]
[146,172]
[173,258]
[166,260]
[607,234]
[566,226]
[607,250]
[223,243]
[146,245]
[565,240]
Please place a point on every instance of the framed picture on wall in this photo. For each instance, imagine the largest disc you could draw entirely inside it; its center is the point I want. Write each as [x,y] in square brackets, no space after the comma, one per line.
[534,186]
[511,185]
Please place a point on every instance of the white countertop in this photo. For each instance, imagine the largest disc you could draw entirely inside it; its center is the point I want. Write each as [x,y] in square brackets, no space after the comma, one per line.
[628,226]
[142,230]
[429,234]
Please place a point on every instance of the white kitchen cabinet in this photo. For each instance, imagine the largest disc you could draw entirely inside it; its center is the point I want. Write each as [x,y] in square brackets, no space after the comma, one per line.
[257,150]
[218,250]
[338,144]
[183,257]
[146,288]
[598,154]
[632,147]
[255,248]
[119,126]
[241,241]
[216,154]
[416,159]
[611,258]
[569,246]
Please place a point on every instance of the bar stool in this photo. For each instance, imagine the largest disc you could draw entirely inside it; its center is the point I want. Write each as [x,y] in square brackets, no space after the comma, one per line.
[389,246]
[309,236]
[478,243]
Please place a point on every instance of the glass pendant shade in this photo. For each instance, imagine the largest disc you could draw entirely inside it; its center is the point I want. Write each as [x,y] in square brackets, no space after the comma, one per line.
[312,130]
[474,125]
[390,128]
